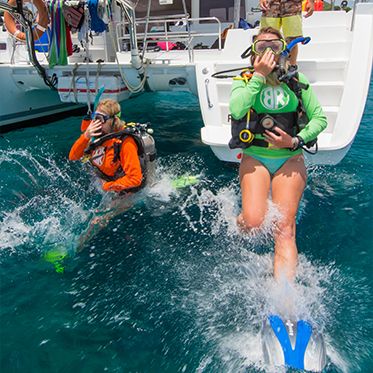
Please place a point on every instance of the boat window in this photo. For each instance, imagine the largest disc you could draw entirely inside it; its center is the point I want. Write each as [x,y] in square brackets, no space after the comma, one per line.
[221,9]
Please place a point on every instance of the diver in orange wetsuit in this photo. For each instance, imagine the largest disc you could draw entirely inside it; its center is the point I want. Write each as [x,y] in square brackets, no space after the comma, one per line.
[122,155]
[116,160]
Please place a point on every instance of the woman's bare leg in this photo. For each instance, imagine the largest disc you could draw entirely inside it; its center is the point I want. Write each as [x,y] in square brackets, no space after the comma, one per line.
[287,188]
[109,208]
[255,182]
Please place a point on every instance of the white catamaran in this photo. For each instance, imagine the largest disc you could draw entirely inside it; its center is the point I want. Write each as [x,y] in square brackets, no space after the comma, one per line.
[170,45]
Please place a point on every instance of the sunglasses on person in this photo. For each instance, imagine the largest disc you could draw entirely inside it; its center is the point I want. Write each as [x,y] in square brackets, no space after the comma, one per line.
[277,46]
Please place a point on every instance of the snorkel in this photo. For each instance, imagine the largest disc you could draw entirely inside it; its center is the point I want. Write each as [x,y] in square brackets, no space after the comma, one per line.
[284,76]
[304,40]
[280,68]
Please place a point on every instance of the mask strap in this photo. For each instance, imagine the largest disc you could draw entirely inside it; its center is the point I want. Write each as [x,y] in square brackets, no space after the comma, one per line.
[117,115]
[246,53]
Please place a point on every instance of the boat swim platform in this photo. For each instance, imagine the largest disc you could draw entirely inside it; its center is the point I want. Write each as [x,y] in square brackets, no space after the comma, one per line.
[337,62]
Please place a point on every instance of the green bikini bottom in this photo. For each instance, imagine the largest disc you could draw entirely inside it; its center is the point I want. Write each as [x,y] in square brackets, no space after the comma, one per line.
[271,164]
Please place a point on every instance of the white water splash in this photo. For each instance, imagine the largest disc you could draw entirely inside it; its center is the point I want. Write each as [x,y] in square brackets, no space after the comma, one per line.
[236,296]
[13,231]
[215,213]
[237,290]
[42,221]
[162,189]
[45,212]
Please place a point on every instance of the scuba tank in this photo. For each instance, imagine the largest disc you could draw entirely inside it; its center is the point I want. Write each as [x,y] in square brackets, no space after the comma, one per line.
[148,153]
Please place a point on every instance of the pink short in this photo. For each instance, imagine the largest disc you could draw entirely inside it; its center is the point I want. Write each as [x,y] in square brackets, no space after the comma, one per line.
[163,45]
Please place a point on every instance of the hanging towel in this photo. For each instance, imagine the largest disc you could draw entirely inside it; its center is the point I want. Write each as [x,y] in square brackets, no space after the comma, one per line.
[97,24]
[69,43]
[58,40]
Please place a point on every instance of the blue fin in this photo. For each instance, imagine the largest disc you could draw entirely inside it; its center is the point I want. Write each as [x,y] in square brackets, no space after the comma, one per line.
[293,358]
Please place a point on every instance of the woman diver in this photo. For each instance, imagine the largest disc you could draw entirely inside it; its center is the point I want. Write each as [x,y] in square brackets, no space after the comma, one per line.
[119,152]
[122,156]
[273,154]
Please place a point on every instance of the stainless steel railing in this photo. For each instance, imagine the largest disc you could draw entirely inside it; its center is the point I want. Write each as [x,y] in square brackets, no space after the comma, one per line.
[187,35]
[353,15]
[354,11]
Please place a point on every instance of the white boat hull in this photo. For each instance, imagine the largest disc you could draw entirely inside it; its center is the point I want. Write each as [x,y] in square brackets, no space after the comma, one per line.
[26,97]
[337,62]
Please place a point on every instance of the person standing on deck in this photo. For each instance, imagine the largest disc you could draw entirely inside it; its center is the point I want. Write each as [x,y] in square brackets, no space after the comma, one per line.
[286,14]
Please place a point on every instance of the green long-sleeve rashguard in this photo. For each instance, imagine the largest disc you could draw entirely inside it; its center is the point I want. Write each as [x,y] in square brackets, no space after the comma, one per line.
[268,99]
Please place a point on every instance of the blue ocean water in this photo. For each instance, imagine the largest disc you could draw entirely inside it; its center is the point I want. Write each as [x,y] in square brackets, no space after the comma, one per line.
[170,285]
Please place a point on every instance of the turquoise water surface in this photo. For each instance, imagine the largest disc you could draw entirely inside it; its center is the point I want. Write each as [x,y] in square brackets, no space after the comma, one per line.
[170,285]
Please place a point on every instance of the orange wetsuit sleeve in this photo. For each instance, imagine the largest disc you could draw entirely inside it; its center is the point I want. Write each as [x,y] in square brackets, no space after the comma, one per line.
[131,166]
[77,150]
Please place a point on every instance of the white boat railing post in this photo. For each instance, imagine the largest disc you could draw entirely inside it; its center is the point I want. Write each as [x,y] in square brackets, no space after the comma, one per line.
[190,49]
[145,41]
[187,25]
[237,12]
[166,35]
[128,8]
[12,56]
[353,15]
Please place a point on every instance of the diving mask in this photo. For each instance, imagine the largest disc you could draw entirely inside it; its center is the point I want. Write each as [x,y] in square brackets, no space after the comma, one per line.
[277,46]
[102,117]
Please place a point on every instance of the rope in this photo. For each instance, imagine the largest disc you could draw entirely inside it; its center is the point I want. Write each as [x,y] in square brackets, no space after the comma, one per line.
[51,82]
[138,88]
[73,86]
[97,76]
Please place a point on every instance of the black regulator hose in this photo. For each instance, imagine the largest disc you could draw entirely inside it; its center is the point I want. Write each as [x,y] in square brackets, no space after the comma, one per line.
[218,75]
[50,82]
